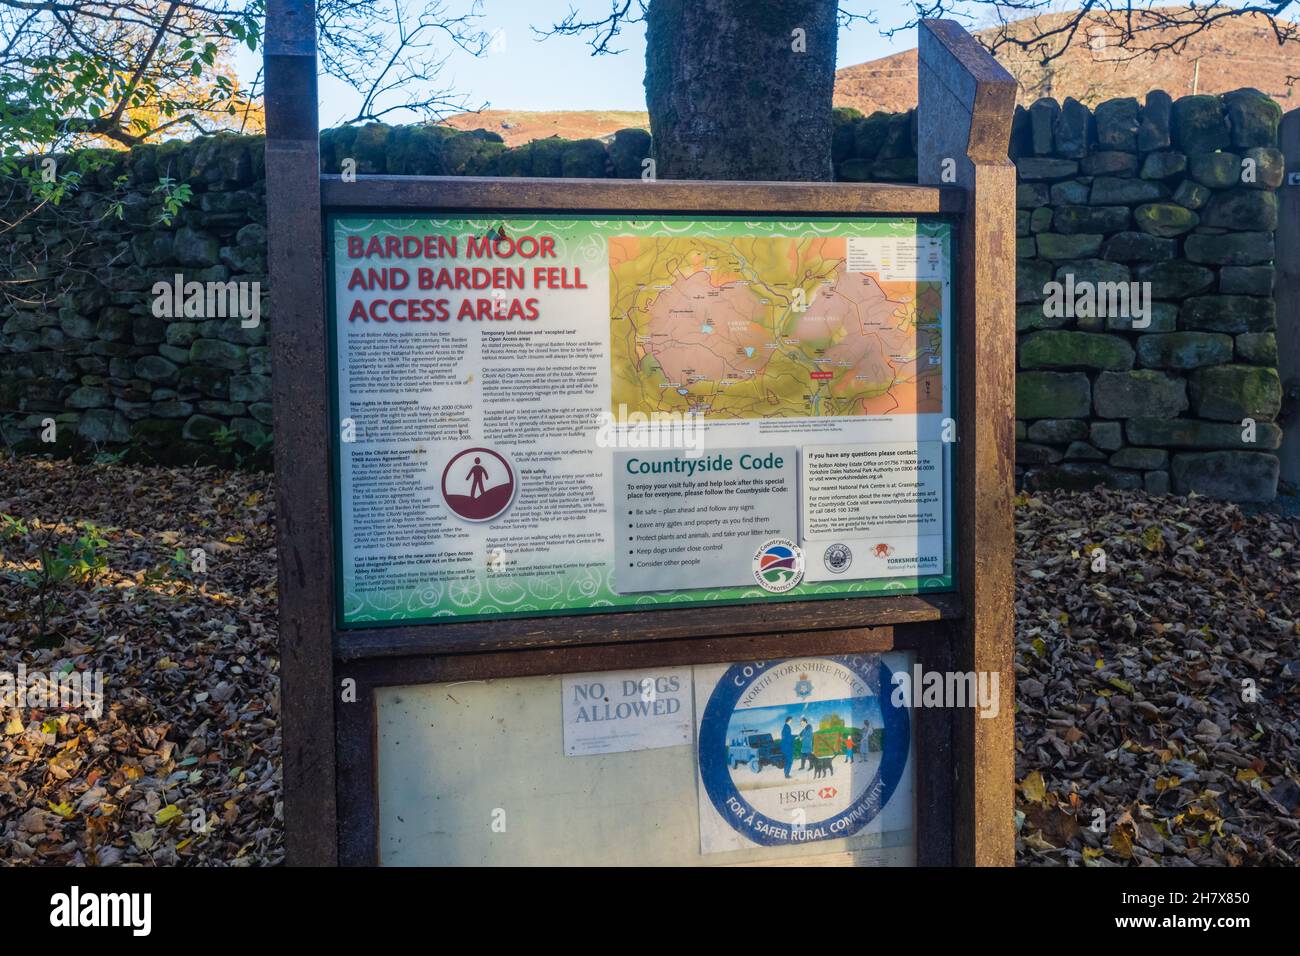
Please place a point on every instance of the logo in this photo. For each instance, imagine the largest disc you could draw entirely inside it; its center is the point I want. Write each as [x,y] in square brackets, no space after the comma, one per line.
[77,909]
[778,565]
[838,557]
[478,484]
[883,550]
[781,767]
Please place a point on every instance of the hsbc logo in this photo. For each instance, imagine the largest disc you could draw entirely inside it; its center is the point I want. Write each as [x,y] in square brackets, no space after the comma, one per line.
[795,796]
[803,796]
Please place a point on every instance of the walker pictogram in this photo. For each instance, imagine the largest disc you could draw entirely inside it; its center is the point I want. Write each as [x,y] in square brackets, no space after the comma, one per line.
[478,484]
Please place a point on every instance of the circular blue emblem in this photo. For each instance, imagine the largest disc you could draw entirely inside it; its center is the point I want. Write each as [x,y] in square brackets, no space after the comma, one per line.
[781,767]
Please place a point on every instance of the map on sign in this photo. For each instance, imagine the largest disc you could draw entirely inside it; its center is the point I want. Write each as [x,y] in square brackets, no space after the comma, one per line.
[776,326]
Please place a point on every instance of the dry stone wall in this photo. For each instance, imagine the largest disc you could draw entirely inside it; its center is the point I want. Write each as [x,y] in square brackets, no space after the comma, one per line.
[1154,193]
[81,342]
[1175,200]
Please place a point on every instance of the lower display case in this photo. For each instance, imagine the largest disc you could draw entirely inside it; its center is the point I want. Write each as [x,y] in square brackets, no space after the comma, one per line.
[807,760]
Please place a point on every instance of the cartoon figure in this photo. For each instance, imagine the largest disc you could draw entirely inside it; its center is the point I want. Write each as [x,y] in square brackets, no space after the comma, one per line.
[787,746]
[848,748]
[806,745]
[476,476]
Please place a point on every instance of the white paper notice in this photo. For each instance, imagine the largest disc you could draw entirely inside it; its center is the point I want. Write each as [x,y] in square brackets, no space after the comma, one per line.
[860,491]
[873,510]
[616,712]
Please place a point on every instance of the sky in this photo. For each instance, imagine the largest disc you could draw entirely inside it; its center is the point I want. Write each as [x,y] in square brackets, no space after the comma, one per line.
[559,73]
[523,71]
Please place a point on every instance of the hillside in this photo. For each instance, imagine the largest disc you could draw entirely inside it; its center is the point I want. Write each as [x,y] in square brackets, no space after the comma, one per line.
[517,127]
[1235,53]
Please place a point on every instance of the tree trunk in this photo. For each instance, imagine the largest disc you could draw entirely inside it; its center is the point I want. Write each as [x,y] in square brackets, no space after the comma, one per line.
[741,89]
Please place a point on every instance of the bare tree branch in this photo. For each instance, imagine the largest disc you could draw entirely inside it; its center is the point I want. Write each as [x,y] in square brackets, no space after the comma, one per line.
[601,32]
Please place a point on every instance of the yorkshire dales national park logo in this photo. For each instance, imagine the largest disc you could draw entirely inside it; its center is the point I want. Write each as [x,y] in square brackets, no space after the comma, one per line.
[802,750]
[778,565]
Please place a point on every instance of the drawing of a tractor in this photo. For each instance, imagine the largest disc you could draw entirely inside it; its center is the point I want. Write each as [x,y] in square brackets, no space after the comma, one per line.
[754,749]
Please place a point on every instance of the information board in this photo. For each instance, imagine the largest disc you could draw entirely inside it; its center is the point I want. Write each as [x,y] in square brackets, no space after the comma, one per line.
[482,773]
[567,414]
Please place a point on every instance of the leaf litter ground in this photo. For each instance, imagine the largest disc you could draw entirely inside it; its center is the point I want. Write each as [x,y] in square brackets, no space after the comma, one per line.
[1157,719]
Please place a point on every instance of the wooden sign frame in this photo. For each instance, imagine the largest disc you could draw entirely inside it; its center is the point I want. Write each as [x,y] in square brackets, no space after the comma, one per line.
[965,766]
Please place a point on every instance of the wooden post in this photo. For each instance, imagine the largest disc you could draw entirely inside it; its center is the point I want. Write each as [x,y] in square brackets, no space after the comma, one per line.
[302,434]
[966,103]
[1287,294]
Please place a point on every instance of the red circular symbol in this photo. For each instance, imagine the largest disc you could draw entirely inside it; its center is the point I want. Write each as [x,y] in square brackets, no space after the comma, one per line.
[478,484]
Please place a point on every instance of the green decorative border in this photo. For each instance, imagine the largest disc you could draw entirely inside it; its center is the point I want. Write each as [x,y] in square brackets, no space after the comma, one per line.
[591,591]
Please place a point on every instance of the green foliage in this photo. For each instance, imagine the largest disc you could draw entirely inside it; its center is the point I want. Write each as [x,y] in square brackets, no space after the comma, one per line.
[180,566]
[263,442]
[48,178]
[61,566]
[71,75]
[247,451]
[78,562]
[11,528]
[174,196]
[116,207]
[51,185]
[225,439]
[177,566]
[110,457]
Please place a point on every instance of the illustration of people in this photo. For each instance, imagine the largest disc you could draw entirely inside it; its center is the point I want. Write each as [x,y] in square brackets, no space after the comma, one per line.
[805,745]
[787,746]
[848,748]
[862,741]
[476,476]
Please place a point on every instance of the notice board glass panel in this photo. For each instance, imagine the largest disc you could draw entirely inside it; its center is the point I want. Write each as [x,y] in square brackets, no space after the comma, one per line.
[683,766]
[570,415]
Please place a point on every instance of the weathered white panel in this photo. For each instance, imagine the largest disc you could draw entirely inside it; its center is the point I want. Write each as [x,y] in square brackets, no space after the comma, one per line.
[454,758]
